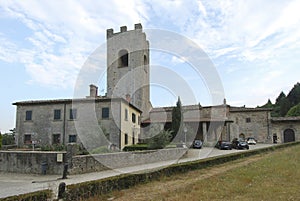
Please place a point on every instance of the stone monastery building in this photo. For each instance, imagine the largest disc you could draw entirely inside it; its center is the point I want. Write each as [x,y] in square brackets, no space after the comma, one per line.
[122,116]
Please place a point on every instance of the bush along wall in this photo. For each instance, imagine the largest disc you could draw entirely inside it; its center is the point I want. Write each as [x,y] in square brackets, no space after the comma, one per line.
[35,196]
[99,187]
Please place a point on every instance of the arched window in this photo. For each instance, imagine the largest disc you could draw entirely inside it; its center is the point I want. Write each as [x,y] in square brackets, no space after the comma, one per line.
[145,60]
[145,63]
[123,58]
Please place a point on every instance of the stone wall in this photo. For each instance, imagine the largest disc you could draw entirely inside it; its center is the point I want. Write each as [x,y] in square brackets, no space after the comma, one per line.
[278,128]
[31,162]
[100,162]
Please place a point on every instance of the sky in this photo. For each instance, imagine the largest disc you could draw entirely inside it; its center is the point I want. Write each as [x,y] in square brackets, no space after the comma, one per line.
[253,45]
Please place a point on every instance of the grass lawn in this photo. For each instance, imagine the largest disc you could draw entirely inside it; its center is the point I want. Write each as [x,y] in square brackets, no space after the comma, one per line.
[272,176]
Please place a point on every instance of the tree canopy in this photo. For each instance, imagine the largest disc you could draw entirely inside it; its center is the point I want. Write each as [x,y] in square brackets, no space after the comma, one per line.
[285,103]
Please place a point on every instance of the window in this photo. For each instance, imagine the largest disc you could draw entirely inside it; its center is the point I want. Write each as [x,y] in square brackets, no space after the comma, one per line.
[73,114]
[126,138]
[133,138]
[27,139]
[56,139]
[105,113]
[28,115]
[126,115]
[133,118]
[57,114]
[123,58]
[248,120]
[145,63]
[72,138]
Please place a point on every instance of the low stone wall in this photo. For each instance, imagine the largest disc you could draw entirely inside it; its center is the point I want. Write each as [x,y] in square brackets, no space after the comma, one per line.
[100,162]
[31,162]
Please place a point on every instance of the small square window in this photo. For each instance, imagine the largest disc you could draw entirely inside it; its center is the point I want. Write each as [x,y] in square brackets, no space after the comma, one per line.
[57,114]
[73,114]
[28,115]
[72,138]
[248,120]
[105,112]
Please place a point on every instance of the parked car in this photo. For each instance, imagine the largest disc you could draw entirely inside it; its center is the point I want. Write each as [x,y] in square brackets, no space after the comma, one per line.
[224,145]
[251,140]
[197,144]
[239,144]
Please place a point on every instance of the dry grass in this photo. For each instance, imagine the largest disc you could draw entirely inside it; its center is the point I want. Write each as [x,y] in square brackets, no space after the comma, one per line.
[273,176]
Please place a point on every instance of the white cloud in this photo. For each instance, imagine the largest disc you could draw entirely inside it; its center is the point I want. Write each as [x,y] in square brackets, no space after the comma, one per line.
[63,34]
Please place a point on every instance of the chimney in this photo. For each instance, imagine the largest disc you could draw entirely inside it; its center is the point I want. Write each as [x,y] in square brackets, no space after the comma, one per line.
[93,91]
[128,98]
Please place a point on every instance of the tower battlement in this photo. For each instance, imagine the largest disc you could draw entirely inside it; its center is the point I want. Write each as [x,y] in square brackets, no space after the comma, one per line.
[110,32]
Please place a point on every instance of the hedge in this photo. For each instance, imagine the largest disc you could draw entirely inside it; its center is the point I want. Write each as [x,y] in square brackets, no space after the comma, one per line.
[43,195]
[85,190]
[136,147]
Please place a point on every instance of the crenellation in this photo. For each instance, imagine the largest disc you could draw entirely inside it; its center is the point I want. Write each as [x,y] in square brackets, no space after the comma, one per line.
[138,26]
[123,29]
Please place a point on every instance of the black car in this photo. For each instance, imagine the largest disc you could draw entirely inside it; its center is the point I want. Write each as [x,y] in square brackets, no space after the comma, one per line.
[197,144]
[224,145]
[239,144]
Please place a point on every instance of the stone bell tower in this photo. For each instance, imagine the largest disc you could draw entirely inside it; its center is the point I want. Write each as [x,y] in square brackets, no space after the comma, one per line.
[128,73]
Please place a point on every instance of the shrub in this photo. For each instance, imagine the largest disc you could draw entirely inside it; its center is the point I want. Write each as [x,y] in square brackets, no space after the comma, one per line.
[136,147]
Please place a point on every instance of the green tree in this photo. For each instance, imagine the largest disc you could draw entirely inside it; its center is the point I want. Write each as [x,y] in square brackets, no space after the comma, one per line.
[8,139]
[176,118]
[294,95]
[294,111]
[269,104]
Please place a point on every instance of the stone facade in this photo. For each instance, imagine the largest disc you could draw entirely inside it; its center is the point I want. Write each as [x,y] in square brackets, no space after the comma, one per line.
[250,122]
[93,122]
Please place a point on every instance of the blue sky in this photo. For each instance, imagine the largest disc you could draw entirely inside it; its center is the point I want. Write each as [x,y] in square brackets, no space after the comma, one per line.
[254,46]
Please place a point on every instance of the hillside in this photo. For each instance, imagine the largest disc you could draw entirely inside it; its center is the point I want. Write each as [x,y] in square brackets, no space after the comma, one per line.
[286,105]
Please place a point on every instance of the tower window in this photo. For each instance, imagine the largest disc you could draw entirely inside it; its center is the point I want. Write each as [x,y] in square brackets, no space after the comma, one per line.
[123,58]
[145,63]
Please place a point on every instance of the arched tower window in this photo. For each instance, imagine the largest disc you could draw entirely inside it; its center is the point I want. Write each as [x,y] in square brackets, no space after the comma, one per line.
[145,63]
[145,60]
[123,58]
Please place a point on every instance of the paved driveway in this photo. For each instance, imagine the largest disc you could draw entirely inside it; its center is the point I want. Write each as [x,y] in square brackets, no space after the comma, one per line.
[14,184]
